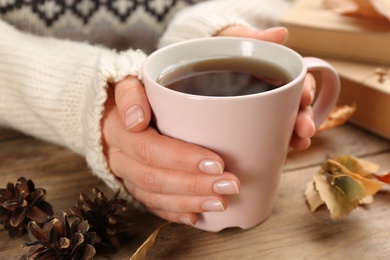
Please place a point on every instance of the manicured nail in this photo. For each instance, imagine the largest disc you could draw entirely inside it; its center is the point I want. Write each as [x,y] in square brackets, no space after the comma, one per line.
[210,167]
[186,221]
[213,205]
[134,115]
[226,187]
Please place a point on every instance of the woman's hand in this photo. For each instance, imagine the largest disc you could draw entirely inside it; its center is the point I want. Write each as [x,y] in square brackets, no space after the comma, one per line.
[173,179]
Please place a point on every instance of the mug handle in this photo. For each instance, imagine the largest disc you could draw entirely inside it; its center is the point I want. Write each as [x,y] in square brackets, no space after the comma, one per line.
[329,89]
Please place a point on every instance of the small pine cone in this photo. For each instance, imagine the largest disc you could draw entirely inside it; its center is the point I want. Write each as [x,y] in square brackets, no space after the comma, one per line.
[20,203]
[58,240]
[102,215]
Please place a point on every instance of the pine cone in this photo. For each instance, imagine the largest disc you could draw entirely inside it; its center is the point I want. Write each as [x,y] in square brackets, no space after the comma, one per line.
[102,215]
[20,203]
[60,241]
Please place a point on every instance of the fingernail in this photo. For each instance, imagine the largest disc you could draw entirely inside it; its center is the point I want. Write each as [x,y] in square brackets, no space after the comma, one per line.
[226,187]
[213,205]
[312,95]
[210,167]
[313,129]
[276,29]
[186,221]
[133,116]
[279,29]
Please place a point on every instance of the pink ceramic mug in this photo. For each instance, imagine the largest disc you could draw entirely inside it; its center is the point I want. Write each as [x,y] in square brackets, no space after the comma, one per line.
[250,132]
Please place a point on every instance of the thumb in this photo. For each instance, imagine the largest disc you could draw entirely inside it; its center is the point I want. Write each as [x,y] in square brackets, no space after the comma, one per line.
[274,34]
[132,104]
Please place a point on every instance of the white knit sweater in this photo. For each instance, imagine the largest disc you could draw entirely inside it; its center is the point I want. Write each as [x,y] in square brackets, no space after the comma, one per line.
[55,89]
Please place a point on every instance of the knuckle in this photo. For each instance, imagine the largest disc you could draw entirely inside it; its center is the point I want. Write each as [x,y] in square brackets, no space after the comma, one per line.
[121,90]
[147,199]
[125,92]
[151,182]
[143,151]
[193,186]
[181,159]
[186,205]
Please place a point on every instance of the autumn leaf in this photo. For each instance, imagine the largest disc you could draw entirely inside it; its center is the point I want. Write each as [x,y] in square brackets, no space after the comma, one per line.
[313,197]
[356,165]
[367,200]
[368,167]
[340,192]
[338,204]
[340,166]
[353,189]
[338,116]
[385,178]
[342,185]
[141,252]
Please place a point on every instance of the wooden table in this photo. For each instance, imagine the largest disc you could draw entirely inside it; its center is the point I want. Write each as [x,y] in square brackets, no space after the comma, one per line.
[292,232]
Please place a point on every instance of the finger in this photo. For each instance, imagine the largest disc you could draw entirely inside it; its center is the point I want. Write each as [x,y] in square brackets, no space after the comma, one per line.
[275,34]
[150,148]
[308,91]
[172,182]
[153,149]
[132,103]
[304,125]
[304,129]
[298,144]
[178,203]
[187,219]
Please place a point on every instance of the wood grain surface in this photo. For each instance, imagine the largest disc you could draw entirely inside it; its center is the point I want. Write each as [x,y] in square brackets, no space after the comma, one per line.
[292,232]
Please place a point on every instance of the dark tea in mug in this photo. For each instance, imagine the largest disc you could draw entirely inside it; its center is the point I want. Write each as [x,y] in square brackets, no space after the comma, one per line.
[224,76]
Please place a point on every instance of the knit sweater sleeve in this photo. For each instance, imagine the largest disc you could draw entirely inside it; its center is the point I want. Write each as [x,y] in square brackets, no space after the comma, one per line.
[55,90]
[207,18]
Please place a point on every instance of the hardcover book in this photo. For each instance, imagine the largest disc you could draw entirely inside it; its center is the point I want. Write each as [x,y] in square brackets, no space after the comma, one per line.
[367,86]
[318,31]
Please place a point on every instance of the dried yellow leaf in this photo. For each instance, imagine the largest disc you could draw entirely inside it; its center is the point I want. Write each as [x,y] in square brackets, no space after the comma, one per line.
[351,167]
[141,252]
[351,188]
[367,200]
[313,197]
[368,167]
[339,115]
[338,204]
[342,185]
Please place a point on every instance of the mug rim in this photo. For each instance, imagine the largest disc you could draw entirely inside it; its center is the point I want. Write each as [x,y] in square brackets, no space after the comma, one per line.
[215,40]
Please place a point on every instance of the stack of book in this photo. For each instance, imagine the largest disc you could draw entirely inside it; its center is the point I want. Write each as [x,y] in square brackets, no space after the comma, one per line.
[359,49]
